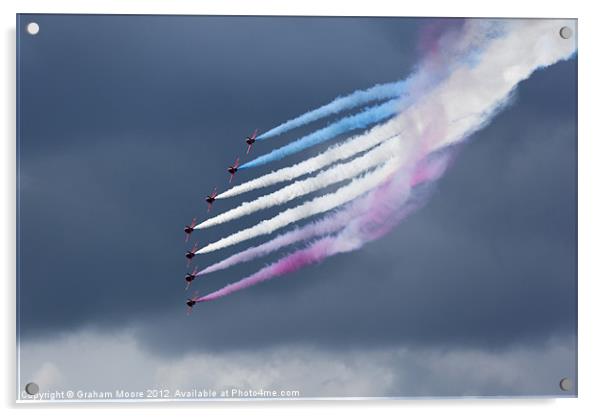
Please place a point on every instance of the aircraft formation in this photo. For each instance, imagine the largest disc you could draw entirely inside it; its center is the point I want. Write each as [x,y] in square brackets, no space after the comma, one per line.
[387,148]
[209,199]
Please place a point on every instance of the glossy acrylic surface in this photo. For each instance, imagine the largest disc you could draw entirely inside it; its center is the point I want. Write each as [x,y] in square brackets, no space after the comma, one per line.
[417,240]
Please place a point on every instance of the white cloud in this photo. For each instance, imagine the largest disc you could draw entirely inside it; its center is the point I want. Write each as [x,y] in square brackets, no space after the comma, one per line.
[108,362]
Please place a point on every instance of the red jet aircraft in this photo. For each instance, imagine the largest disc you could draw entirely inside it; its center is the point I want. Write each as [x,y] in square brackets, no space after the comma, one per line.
[210,199]
[233,168]
[191,302]
[190,277]
[190,228]
[251,140]
[190,254]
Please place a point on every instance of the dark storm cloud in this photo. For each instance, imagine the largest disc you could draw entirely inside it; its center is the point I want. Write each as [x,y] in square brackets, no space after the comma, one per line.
[124,131]
[150,114]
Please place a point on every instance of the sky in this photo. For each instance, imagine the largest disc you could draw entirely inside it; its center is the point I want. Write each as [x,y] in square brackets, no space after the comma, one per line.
[126,123]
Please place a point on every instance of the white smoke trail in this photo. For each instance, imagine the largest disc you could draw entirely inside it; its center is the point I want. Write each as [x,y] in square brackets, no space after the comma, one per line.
[345,150]
[333,175]
[428,171]
[470,97]
[318,205]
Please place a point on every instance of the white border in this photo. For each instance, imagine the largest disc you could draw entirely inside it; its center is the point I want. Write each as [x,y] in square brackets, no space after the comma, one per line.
[590,207]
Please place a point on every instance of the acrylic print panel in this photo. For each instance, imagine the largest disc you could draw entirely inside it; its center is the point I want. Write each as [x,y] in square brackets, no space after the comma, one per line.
[216,207]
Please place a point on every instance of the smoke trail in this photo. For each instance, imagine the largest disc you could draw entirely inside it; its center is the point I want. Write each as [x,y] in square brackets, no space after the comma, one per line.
[345,150]
[344,241]
[444,43]
[357,121]
[318,205]
[469,98]
[475,93]
[355,99]
[335,174]
[446,52]
[316,253]
[329,224]
[428,171]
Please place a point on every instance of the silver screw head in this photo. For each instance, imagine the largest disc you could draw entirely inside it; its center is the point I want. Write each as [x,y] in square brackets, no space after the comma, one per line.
[566,32]
[32,388]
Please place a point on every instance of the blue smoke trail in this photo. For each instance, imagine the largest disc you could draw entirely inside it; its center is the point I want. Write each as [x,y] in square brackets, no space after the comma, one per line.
[361,120]
[357,98]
